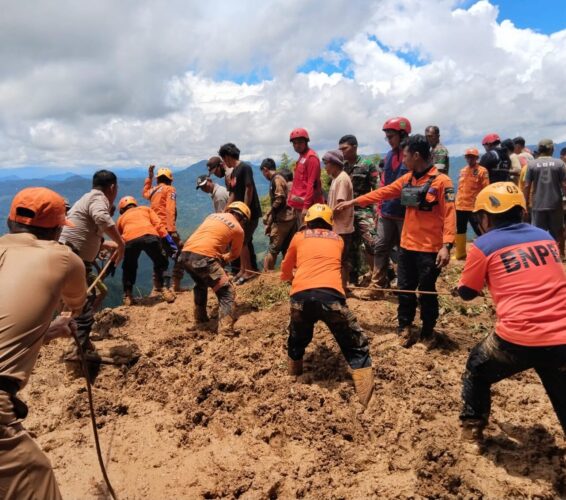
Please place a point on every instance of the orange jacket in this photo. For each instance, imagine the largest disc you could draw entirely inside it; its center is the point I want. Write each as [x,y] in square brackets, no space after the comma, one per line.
[140,221]
[423,231]
[316,254]
[163,201]
[470,183]
[214,235]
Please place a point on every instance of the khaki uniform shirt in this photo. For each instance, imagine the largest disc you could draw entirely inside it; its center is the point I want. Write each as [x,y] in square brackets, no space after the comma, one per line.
[35,275]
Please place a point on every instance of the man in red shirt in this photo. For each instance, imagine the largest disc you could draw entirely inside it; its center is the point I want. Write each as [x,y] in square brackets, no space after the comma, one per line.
[313,266]
[307,188]
[521,266]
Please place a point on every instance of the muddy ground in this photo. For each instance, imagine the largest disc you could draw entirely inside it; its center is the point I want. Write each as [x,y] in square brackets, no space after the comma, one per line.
[203,416]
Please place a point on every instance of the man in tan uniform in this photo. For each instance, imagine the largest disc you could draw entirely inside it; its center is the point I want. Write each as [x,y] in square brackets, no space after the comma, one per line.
[36,273]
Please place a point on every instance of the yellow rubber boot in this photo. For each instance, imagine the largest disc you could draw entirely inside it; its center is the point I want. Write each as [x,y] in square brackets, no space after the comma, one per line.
[460,247]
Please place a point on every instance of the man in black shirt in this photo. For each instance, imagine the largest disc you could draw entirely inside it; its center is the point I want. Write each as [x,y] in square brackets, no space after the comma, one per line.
[242,188]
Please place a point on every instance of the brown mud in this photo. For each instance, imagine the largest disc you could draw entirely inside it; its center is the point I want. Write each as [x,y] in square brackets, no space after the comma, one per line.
[207,416]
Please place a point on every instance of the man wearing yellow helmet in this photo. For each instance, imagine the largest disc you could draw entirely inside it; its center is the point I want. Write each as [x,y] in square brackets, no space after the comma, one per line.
[313,265]
[217,241]
[521,266]
[163,201]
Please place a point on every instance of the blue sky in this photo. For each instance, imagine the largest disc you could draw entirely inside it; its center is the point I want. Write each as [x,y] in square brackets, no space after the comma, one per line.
[544,16]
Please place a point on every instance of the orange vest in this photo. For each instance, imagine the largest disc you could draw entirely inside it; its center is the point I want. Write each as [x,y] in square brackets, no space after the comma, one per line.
[214,235]
[140,221]
[163,201]
[316,254]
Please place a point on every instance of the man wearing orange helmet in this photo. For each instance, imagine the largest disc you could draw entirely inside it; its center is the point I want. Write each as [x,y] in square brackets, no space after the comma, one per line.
[313,266]
[521,266]
[163,201]
[36,273]
[142,231]
[216,242]
[473,178]
[390,222]
[307,188]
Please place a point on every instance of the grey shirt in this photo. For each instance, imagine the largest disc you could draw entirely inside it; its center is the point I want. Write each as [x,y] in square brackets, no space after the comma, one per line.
[91,217]
[219,197]
[547,175]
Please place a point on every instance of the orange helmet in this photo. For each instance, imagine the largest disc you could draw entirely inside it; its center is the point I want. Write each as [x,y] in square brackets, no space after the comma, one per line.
[399,123]
[472,152]
[126,201]
[299,133]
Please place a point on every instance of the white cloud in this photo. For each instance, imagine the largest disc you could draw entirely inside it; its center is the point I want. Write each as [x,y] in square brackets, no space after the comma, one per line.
[134,82]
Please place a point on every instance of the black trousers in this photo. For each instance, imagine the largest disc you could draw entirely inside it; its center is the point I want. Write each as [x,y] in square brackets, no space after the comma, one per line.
[85,319]
[152,246]
[495,359]
[417,270]
[462,219]
[339,319]
[249,231]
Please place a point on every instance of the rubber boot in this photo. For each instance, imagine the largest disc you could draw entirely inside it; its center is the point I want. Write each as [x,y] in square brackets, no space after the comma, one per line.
[168,295]
[226,326]
[200,315]
[157,287]
[409,336]
[363,382]
[460,253]
[472,435]
[295,368]
[128,299]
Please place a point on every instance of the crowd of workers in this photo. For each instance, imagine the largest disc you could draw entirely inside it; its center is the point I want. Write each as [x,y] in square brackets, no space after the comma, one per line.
[398,220]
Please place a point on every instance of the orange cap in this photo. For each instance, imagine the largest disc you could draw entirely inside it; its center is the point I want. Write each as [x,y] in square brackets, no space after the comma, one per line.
[472,152]
[39,207]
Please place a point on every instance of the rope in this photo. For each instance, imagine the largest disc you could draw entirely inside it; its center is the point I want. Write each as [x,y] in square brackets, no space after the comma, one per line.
[274,274]
[89,388]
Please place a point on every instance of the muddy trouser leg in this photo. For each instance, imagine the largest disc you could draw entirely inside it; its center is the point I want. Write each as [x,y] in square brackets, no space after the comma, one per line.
[178,268]
[154,250]
[197,269]
[304,314]
[226,300]
[490,361]
[348,333]
[407,279]
[130,264]
[85,319]
[289,237]
[366,234]
[25,471]
[387,237]
[428,274]
[552,372]
[345,265]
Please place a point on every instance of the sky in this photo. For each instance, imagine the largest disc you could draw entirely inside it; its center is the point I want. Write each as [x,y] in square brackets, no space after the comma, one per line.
[136,82]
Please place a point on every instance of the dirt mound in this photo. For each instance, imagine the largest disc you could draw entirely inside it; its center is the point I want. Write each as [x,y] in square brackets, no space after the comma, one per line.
[206,416]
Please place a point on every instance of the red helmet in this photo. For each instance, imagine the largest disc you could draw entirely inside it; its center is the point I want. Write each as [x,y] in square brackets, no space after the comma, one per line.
[398,123]
[490,139]
[299,133]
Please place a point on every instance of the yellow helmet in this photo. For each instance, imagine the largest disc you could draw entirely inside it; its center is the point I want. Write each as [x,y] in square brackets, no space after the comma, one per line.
[320,211]
[241,208]
[165,172]
[499,197]
[127,200]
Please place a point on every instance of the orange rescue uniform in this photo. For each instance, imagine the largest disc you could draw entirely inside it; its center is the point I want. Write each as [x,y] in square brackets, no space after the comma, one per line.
[423,230]
[214,235]
[317,256]
[472,180]
[140,221]
[163,200]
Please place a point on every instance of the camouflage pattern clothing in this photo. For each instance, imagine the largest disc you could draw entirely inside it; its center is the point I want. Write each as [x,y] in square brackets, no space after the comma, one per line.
[365,178]
[440,158]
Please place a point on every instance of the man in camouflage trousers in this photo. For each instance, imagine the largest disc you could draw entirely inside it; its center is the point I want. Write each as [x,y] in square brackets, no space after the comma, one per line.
[365,178]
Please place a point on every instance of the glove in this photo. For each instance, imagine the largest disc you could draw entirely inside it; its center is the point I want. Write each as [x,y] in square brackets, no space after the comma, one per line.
[172,249]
